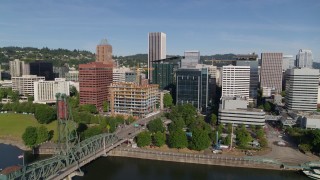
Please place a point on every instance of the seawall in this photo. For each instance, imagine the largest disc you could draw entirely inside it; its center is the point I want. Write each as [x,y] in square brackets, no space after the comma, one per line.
[218,160]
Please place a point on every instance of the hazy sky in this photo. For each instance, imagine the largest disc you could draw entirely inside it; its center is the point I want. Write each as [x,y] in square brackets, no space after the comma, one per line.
[211,26]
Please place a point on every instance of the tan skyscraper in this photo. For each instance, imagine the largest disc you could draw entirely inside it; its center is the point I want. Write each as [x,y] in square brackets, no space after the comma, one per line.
[104,52]
[157,49]
[271,73]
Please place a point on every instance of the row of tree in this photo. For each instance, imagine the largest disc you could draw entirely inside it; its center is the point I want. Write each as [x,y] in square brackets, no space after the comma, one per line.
[307,140]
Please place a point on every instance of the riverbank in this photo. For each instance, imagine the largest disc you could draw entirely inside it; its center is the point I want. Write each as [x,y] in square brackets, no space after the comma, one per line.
[14,142]
[218,160]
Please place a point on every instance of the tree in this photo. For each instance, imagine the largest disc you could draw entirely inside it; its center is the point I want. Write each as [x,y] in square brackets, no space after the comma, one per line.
[177,124]
[260,133]
[229,128]
[92,131]
[159,139]
[89,108]
[143,139]
[29,136]
[167,100]
[283,93]
[45,114]
[14,96]
[263,142]
[200,140]
[30,98]
[178,139]
[213,120]
[156,125]
[105,106]
[73,91]
[227,140]
[267,107]
[243,137]
[42,134]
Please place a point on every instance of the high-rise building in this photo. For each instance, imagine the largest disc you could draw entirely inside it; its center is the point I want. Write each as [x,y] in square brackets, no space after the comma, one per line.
[163,74]
[157,49]
[119,74]
[18,68]
[254,76]
[235,81]
[302,89]
[24,84]
[45,91]
[60,72]
[42,68]
[304,58]
[194,86]
[191,59]
[288,62]
[271,73]
[130,98]
[94,79]
[104,52]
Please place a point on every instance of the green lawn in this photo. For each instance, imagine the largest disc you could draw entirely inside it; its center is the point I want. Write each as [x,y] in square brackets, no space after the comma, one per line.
[13,125]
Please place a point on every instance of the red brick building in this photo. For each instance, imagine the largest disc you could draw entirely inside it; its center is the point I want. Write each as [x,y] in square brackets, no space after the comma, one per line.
[94,79]
[104,52]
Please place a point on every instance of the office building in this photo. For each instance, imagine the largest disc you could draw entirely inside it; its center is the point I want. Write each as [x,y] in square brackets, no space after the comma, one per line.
[94,79]
[304,58]
[157,49]
[42,68]
[25,84]
[119,74]
[191,59]
[194,86]
[271,72]
[104,52]
[72,76]
[302,89]
[45,91]
[135,99]
[234,111]
[254,76]
[288,62]
[163,74]
[235,81]
[18,68]
[60,72]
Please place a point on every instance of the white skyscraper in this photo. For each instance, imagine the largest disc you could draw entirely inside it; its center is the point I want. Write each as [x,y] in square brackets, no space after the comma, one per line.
[156,49]
[288,62]
[302,89]
[45,91]
[304,58]
[235,81]
[18,68]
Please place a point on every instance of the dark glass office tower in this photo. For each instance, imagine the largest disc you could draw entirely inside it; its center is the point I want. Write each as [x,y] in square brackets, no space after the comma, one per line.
[42,68]
[195,87]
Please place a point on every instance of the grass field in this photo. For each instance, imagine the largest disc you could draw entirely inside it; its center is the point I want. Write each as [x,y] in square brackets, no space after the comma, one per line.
[13,125]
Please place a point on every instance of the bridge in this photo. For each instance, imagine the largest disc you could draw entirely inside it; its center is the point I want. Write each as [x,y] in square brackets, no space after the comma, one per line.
[65,165]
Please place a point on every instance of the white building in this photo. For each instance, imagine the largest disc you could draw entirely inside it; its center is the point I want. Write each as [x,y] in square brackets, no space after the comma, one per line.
[191,59]
[287,62]
[235,81]
[302,89]
[19,68]
[304,58]
[310,121]
[72,76]
[45,91]
[119,74]
[25,84]
[235,111]
[157,46]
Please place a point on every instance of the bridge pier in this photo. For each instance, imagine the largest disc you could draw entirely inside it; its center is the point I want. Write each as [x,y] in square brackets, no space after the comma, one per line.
[73,174]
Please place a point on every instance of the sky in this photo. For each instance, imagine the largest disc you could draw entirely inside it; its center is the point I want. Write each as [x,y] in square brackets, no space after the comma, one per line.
[210,26]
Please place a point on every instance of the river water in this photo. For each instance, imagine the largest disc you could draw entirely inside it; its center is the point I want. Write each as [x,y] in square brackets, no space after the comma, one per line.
[119,168]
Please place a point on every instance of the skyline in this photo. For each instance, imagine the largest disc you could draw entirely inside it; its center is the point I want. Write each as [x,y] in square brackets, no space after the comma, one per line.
[217,27]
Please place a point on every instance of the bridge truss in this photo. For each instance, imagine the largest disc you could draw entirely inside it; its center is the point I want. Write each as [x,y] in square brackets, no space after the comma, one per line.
[55,165]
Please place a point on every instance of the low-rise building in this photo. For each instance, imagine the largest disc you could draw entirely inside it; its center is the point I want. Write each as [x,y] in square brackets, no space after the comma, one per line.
[45,91]
[235,111]
[72,76]
[25,84]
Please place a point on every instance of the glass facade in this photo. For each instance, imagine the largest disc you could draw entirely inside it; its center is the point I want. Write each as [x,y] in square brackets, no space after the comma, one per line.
[163,74]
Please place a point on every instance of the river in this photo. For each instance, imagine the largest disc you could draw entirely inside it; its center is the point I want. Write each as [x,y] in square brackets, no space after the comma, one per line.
[118,168]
